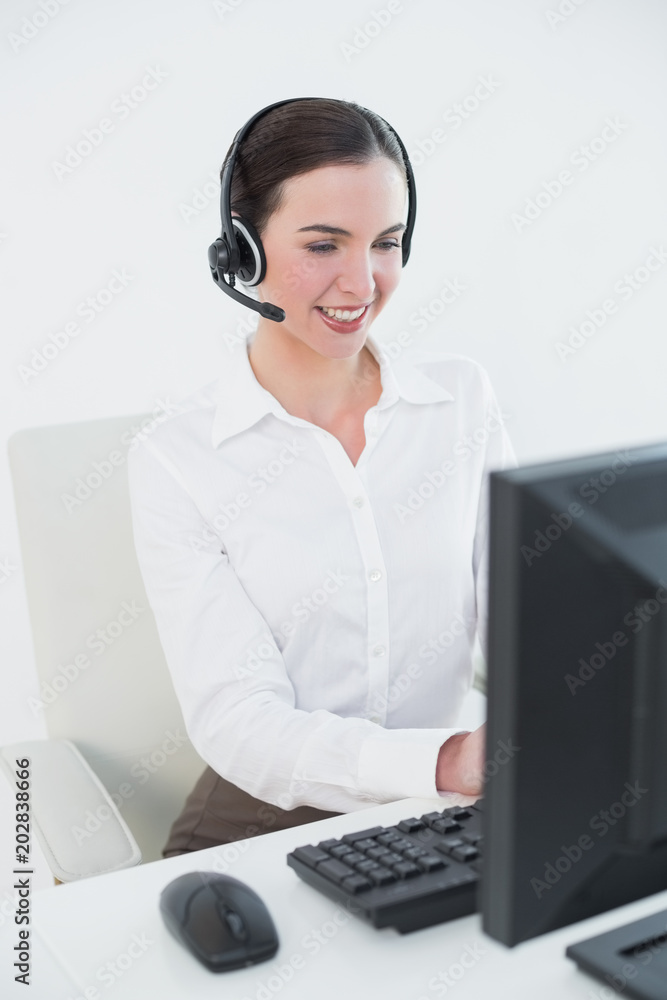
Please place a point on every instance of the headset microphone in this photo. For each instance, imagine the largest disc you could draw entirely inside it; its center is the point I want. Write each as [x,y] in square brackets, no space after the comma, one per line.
[238,251]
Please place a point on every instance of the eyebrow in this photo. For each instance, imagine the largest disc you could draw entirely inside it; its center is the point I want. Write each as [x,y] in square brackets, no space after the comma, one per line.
[336,231]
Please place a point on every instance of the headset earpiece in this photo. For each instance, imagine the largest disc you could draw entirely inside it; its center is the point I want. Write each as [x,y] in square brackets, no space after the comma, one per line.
[252,265]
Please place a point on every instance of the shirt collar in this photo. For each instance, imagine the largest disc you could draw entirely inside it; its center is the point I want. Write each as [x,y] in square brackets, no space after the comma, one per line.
[240,400]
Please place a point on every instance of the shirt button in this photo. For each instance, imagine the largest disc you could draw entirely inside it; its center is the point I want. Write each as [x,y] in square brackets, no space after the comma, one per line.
[376,719]
[375,575]
[358,502]
[379,650]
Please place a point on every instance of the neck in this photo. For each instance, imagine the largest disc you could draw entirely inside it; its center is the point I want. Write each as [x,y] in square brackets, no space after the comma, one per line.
[308,384]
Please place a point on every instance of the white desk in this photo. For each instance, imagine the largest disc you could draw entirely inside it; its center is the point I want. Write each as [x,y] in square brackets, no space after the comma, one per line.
[88,924]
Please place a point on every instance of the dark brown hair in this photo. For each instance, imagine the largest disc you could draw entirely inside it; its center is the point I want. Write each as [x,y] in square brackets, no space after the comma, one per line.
[298,137]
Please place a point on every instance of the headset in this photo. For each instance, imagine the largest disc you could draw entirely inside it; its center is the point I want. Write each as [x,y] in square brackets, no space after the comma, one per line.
[238,251]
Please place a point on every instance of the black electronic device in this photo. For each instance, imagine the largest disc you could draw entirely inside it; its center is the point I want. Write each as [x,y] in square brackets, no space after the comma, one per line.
[630,959]
[222,921]
[238,251]
[576,817]
[419,872]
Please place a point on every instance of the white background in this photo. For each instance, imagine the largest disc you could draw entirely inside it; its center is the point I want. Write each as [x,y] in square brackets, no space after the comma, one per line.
[555,79]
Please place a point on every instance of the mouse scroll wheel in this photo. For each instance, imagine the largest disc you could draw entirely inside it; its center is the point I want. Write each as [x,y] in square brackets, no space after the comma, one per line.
[235,923]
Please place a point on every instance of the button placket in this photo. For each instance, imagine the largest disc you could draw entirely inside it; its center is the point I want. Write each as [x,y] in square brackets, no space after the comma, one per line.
[377,651]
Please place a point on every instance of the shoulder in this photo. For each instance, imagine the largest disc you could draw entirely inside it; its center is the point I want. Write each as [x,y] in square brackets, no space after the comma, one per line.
[176,427]
[463,377]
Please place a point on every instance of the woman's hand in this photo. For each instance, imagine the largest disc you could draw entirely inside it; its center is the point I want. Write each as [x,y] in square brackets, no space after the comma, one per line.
[461,763]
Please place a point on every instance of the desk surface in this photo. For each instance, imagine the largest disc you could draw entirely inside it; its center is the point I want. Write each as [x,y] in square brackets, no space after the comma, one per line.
[325,952]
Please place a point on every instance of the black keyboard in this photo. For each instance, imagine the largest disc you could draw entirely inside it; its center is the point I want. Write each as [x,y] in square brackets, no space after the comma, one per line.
[420,872]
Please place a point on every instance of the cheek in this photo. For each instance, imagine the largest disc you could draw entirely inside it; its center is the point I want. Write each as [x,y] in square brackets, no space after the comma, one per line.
[307,276]
[389,275]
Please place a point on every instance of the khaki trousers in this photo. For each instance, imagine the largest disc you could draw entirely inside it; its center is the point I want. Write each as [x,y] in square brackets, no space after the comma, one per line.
[218,812]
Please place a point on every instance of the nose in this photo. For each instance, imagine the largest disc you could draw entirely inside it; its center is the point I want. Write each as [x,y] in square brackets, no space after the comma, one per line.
[356,276]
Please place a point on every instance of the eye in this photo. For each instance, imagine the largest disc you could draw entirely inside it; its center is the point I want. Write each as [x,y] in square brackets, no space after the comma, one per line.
[386,245]
[320,247]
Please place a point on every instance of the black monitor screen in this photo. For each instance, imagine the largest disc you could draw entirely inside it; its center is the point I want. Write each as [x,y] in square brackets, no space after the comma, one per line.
[576,818]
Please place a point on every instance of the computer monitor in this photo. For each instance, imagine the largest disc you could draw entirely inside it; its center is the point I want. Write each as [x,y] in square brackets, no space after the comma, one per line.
[576,811]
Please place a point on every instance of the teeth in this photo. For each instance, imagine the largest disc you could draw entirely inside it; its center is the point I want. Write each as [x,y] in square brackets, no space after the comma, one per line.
[342,314]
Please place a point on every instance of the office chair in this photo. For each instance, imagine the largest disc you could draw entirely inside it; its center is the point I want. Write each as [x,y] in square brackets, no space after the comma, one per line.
[117,767]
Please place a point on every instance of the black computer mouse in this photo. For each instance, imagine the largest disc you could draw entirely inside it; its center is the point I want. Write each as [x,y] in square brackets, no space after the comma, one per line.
[222,921]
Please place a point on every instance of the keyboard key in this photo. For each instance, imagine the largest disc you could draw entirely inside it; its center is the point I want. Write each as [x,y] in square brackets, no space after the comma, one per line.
[471,838]
[356,883]
[365,866]
[448,844]
[352,858]
[430,863]
[334,870]
[311,856]
[381,876]
[352,838]
[376,852]
[326,844]
[413,853]
[390,858]
[406,869]
[430,818]
[401,844]
[444,825]
[387,838]
[459,812]
[339,850]
[464,853]
[364,845]
[410,825]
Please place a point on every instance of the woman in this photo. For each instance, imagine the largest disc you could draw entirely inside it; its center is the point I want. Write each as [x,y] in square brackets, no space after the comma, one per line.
[311,527]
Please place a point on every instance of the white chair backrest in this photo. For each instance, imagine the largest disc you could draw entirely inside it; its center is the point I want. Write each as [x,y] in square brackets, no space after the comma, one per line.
[104,683]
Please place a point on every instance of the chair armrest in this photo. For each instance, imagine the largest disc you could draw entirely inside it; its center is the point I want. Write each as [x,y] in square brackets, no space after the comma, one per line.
[79,828]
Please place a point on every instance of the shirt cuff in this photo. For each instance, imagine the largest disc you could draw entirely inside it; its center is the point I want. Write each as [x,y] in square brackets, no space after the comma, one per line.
[400,763]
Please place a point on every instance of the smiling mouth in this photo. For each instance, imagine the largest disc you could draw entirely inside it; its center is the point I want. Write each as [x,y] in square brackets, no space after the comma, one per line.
[343,315]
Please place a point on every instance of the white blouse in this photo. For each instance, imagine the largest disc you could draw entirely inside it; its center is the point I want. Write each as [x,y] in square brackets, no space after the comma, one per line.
[317,616]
